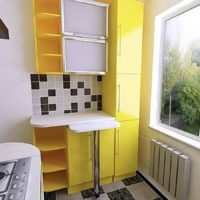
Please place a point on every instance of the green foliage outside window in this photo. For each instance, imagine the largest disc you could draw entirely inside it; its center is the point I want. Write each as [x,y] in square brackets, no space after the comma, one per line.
[181,88]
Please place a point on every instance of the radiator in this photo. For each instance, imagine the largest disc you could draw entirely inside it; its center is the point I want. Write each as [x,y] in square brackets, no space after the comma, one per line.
[170,168]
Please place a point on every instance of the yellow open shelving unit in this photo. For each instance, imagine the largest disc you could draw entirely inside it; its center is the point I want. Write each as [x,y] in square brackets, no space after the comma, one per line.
[47,24]
[55,181]
[52,143]
[53,161]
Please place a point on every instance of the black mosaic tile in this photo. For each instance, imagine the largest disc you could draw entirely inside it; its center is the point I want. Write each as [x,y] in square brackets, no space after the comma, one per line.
[90,193]
[52,107]
[44,108]
[66,85]
[67,111]
[34,77]
[87,91]
[87,105]
[66,77]
[44,112]
[74,111]
[157,198]
[44,100]
[94,98]
[99,78]
[132,180]
[99,108]
[121,194]
[74,92]
[99,97]
[99,104]
[43,77]
[80,84]
[50,196]
[51,92]
[35,86]
[74,106]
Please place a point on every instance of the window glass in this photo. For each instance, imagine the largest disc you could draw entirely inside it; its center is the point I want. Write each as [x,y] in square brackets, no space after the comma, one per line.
[180,104]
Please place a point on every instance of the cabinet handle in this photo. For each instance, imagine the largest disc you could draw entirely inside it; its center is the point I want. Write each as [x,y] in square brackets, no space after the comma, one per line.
[119,97]
[118,142]
[120,40]
[90,147]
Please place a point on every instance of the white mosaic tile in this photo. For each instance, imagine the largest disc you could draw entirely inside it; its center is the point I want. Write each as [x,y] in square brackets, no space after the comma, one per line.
[52,85]
[64,95]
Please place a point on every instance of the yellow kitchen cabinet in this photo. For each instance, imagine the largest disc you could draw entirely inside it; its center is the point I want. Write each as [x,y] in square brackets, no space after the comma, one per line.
[126,149]
[107,153]
[48,45]
[121,85]
[129,36]
[128,97]
[53,144]
[80,158]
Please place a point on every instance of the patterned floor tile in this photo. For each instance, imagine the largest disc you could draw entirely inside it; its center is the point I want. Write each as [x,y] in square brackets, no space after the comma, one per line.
[101,197]
[62,195]
[90,193]
[113,186]
[132,180]
[141,191]
[121,194]
[115,191]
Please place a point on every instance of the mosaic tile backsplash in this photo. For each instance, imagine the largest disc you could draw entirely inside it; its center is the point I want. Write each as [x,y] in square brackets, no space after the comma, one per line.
[56,94]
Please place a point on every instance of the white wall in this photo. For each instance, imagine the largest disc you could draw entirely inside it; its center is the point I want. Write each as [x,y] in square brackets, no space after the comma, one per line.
[153,8]
[17,61]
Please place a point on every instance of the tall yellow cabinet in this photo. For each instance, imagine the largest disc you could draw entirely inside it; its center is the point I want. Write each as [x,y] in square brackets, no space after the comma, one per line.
[121,86]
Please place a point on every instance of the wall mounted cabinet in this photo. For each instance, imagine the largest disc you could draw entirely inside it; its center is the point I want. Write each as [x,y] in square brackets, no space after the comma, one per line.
[83,55]
[47,24]
[85,19]
[85,30]
[79,20]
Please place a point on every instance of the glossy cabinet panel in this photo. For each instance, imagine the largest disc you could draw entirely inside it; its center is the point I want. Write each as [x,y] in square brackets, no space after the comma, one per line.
[126,150]
[80,156]
[129,37]
[128,97]
[107,153]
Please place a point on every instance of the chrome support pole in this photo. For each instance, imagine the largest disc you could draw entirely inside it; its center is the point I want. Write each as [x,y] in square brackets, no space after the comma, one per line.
[96,163]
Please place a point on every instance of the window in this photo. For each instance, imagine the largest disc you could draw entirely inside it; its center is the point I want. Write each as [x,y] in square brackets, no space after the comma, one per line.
[175,102]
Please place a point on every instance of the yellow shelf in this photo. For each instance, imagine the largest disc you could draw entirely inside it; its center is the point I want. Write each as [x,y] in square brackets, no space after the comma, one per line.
[49,35]
[46,15]
[51,55]
[53,161]
[50,143]
[55,181]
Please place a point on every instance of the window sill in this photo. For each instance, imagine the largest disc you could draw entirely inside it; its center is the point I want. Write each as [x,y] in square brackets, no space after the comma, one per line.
[173,134]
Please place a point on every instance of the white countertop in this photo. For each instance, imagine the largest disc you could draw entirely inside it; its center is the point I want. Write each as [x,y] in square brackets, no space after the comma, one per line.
[45,121]
[97,126]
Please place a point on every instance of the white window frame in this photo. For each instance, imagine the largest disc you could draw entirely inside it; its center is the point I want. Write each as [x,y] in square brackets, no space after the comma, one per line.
[157,73]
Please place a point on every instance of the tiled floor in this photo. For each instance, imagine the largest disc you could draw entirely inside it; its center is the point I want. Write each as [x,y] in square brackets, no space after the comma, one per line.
[128,189]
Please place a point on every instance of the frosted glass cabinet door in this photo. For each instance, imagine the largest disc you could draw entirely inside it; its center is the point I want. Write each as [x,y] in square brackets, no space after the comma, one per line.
[84,18]
[84,55]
